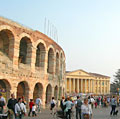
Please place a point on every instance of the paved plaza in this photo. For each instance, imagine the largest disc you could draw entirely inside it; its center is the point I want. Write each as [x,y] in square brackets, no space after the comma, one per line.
[99,113]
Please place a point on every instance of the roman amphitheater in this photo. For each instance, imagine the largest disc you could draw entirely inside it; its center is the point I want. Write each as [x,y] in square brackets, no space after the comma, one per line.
[31,63]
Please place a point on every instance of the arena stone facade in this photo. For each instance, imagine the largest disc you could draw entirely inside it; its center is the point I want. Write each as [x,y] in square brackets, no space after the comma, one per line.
[31,64]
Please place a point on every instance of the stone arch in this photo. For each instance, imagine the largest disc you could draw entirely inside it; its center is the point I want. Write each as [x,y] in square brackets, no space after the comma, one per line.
[57,63]
[40,41]
[23,90]
[48,93]
[50,68]
[25,49]
[7,39]
[5,88]
[56,92]
[38,91]
[40,55]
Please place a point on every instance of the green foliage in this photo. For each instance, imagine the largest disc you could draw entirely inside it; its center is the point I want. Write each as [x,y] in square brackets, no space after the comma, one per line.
[116,84]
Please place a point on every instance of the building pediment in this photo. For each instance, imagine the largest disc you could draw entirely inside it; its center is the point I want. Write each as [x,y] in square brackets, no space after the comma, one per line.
[78,73]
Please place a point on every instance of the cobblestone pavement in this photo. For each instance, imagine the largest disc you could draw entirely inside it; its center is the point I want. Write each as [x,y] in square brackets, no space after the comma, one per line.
[100,113]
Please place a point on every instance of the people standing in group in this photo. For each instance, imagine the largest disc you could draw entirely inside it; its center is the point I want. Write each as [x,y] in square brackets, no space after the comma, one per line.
[86,110]
[11,106]
[78,105]
[38,104]
[53,106]
[68,108]
[2,103]
[62,104]
[30,106]
[113,105]
[20,109]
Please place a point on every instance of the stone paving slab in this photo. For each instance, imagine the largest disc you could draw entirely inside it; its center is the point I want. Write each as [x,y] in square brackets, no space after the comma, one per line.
[99,113]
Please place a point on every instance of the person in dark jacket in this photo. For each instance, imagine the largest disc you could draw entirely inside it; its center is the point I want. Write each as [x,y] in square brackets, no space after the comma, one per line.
[11,106]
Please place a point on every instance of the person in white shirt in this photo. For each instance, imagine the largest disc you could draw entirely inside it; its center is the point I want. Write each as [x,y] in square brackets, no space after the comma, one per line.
[34,110]
[86,110]
[20,109]
[38,104]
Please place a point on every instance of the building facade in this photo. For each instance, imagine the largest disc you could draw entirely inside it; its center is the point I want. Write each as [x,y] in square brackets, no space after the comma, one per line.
[80,81]
[31,64]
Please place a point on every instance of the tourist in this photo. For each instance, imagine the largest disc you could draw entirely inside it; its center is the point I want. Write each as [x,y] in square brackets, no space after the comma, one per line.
[86,110]
[30,106]
[68,108]
[20,109]
[78,105]
[34,110]
[113,105]
[62,104]
[11,106]
[2,103]
[38,104]
[52,106]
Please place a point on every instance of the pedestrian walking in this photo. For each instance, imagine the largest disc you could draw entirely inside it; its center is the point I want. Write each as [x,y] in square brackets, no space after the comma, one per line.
[34,110]
[113,105]
[11,106]
[86,110]
[62,104]
[68,108]
[20,109]
[38,104]
[78,105]
[53,106]
[30,106]
[2,103]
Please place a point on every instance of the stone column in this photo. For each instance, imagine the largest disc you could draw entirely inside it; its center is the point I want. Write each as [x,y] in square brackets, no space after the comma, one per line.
[108,87]
[89,85]
[15,55]
[46,62]
[81,85]
[85,85]
[74,85]
[93,89]
[104,87]
[101,87]
[69,85]
[78,85]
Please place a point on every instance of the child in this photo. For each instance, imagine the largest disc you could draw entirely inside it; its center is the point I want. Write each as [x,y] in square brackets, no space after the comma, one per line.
[34,110]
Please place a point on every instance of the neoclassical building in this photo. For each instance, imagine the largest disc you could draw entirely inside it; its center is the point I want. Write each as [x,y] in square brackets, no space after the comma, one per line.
[80,81]
[31,63]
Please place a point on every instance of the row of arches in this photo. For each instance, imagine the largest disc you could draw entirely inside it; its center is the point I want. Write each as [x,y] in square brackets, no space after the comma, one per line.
[55,60]
[23,90]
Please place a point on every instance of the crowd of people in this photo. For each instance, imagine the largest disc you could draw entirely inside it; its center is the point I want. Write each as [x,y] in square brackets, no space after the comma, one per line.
[83,106]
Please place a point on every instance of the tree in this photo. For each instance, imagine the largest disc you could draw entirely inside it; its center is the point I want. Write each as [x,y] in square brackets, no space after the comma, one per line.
[115,86]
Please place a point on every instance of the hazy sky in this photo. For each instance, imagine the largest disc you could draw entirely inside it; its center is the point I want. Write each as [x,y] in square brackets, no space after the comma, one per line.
[88,30]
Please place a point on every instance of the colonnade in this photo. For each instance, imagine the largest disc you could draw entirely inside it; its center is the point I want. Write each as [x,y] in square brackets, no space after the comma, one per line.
[76,85]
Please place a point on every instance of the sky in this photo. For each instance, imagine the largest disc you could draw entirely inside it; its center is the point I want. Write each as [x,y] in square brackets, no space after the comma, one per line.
[88,30]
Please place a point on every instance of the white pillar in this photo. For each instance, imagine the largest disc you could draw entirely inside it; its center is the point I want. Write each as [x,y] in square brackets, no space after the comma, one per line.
[81,85]
[85,85]
[78,85]
[74,85]
[69,85]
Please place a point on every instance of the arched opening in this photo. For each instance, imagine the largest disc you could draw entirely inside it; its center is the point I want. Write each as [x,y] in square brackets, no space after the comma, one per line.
[57,64]
[5,88]
[25,50]
[56,92]
[40,55]
[6,42]
[48,93]
[50,68]
[38,91]
[23,90]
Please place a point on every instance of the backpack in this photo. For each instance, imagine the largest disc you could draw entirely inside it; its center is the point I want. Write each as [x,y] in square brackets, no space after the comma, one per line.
[79,104]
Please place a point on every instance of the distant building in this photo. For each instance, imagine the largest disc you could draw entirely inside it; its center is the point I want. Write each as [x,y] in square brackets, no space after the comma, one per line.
[80,81]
